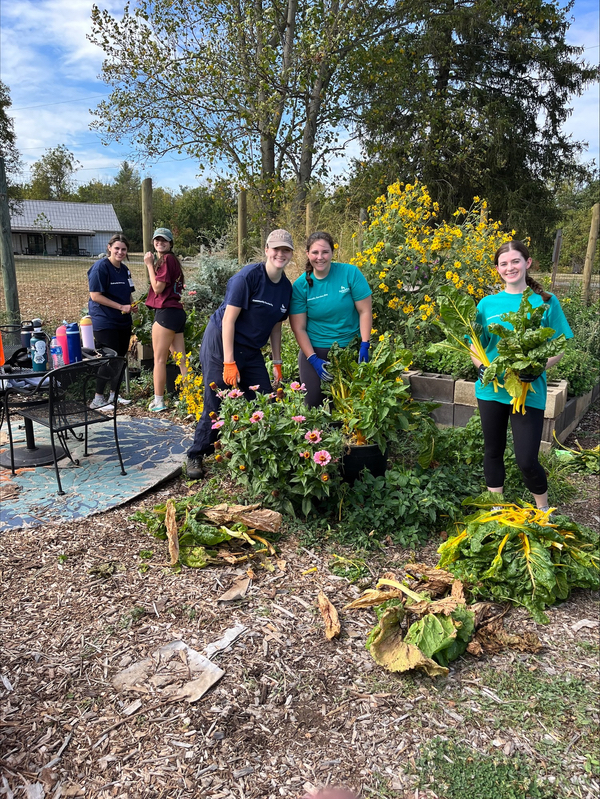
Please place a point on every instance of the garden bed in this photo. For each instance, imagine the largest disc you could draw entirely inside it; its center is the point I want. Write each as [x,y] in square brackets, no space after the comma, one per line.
[293,710]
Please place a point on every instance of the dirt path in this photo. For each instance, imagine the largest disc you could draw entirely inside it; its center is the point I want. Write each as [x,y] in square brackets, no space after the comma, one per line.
[293,710]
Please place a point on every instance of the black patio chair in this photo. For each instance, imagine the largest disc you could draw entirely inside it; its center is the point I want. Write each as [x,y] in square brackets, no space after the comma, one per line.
[61,401]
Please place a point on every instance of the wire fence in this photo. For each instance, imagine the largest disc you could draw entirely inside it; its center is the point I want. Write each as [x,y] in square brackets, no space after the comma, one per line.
[56,288]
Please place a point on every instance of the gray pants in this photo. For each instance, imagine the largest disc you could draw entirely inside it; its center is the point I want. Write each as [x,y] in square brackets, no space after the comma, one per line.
[314,396]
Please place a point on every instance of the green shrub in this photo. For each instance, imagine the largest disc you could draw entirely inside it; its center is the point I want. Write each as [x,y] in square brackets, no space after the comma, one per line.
[579,368]
[405,504]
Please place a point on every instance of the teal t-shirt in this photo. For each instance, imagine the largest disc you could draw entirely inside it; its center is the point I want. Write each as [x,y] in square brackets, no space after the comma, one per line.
[489,311]
[329,304]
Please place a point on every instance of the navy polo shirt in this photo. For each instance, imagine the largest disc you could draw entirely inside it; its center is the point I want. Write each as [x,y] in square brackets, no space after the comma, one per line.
[264,304]
[117,285]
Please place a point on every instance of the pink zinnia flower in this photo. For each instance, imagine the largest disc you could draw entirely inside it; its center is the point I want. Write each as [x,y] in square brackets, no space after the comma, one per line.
[314,436]
[191,293]
[235,393]
[217,424]
[305,454]
[322,457]
[256,416]
[254,388]
[298,418]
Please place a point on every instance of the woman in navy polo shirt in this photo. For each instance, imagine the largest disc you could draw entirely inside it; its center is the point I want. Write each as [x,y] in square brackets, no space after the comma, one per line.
[111,287]
[257,300]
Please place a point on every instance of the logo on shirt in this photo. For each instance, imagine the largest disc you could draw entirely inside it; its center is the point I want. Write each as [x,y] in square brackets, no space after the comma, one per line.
[344,289]
[283,309]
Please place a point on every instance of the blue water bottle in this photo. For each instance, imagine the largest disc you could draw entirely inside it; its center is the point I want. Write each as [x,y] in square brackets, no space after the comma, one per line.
[74,343]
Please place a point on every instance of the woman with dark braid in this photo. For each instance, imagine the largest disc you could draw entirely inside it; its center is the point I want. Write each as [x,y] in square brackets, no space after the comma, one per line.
[512,263]
[331,302]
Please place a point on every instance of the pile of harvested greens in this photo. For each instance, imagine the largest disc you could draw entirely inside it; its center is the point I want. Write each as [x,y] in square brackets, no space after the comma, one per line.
[199,535]
[518,553]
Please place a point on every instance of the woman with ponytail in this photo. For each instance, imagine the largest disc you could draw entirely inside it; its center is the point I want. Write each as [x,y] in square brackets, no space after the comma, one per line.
[164,296]
[331,302]
[512,262]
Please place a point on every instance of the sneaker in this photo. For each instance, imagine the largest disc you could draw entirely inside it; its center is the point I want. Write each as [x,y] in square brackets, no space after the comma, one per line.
[157,407]
[98,402]
[194,468]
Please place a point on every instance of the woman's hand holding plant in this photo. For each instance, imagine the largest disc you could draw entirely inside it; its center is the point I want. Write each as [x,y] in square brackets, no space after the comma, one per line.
[319,365]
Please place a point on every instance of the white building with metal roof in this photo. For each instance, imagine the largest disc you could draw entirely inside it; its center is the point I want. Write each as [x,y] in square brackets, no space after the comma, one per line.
[52,227]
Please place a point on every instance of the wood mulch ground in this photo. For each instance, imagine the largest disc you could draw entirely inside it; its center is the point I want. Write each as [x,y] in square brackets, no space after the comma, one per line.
[293,711]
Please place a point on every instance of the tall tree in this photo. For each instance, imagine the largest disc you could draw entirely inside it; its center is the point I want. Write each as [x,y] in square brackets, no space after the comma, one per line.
[471,98]
[250,86]
[8,143]
[52,175]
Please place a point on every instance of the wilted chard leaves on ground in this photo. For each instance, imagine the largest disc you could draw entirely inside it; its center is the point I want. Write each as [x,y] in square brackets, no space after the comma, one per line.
[520,554]
[413,630]
[193,531]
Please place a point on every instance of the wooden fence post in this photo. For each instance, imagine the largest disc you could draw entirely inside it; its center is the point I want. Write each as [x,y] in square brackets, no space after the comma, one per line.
[7,258]
[589,256]
[242,225]
[556,257]
[147,220]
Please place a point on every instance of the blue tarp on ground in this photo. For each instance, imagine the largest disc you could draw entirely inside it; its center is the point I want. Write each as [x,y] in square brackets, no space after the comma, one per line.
[153,450]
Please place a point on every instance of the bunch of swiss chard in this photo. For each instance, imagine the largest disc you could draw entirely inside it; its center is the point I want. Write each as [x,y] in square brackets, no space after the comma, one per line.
[458,313]
[525,348]
[518,553]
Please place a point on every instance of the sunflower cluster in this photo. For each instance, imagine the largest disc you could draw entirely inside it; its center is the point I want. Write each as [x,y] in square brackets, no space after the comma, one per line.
[408,254]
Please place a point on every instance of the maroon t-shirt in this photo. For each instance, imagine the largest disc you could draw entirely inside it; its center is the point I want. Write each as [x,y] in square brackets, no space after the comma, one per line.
[169,272]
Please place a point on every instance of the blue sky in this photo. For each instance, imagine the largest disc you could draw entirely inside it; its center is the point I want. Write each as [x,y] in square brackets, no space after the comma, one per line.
[52,72]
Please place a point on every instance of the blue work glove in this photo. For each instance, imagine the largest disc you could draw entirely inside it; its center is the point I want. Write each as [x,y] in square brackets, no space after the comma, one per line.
[481,372]
[527,377]
[363,355]
[318,364]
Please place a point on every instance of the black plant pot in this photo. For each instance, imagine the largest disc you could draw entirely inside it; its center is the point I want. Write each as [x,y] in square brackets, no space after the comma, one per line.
[358,457]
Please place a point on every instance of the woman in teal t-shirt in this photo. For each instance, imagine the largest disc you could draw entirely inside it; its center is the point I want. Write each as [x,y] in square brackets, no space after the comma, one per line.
[512,263]
[331,302]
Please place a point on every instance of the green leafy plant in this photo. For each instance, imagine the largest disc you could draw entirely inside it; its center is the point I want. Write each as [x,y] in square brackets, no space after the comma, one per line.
[579,459]
[525,348]
[371,400]
[518,553]
[283,452]
[580,369]
[405,505]
[458,323]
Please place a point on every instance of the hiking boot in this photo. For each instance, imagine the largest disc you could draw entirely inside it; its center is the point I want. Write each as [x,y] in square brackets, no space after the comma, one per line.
[194,468]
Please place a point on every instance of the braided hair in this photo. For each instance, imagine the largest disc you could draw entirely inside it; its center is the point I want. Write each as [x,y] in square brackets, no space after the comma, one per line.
[319,235]
[521,248]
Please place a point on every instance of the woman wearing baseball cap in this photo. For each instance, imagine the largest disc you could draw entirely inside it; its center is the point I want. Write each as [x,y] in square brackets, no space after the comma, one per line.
[257,300]
[164,295]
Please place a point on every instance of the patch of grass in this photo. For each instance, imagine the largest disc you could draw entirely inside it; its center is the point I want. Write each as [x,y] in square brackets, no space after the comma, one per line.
[456,771]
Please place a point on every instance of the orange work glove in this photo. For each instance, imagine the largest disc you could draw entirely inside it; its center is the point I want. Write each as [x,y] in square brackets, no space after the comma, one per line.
[277,373]
[231,376]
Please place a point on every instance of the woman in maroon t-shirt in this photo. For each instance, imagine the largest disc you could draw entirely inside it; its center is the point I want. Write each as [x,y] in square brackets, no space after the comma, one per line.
[164,295]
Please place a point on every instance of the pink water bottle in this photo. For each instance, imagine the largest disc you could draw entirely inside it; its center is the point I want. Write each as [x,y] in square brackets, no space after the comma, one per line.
[61,336]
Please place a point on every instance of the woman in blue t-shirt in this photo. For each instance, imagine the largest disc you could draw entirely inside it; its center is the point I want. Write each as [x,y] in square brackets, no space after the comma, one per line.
[257,300]
[512,263]
[331,302]
[111,287]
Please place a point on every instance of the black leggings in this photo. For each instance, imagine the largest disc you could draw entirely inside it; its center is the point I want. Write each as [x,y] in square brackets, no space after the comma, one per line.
[116,339]
[527,435]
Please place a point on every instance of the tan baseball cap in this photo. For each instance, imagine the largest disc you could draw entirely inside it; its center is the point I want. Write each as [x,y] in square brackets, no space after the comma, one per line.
[280,238]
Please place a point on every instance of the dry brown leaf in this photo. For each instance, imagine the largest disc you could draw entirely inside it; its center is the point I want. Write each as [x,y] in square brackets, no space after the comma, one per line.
[253,516]
[374,596]
[281,565]
[436,582]
[330,617]
[475,648]
[172,537]
[458,591]
[238,590]
[494,638]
